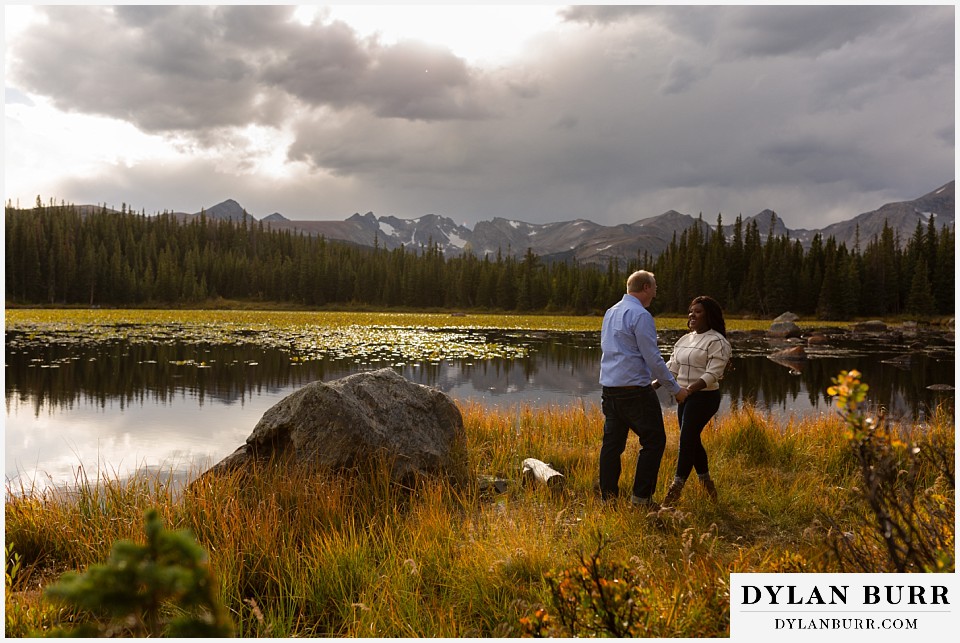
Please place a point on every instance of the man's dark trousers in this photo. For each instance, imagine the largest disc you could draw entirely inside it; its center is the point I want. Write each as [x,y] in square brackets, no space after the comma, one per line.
[629,408]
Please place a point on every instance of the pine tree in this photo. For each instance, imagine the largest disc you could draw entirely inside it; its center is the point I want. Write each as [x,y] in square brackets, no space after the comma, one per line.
[944,277]
[715,280]
[132,592]
[920,300]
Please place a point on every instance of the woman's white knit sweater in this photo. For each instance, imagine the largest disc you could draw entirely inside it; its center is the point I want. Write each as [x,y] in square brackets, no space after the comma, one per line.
[700,356]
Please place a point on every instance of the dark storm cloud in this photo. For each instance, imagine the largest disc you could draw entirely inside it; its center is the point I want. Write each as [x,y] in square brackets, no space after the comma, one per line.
[407,80]
[741,31]
[415,81]
[161,68]
[798,30]
[190,68]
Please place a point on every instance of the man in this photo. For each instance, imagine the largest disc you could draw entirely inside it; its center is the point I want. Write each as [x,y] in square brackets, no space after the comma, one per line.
[629,363]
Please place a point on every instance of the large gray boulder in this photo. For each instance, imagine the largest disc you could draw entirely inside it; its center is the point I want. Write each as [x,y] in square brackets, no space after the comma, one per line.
[784,330]
[346,423]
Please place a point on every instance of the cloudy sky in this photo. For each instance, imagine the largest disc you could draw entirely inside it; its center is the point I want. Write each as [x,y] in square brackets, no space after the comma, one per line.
[539,113]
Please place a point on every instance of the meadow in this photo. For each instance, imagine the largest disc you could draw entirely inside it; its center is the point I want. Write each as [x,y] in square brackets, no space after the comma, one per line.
[356,556]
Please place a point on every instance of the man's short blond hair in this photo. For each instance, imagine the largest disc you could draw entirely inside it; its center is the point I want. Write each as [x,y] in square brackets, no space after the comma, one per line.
[638,280]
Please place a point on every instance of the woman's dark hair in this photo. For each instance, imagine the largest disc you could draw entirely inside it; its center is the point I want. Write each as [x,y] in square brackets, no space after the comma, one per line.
[714,313]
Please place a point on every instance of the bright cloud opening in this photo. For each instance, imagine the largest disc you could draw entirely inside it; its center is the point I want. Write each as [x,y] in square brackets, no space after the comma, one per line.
[480,34]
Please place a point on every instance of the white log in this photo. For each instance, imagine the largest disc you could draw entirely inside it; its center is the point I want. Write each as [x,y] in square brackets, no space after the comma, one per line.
[541,472]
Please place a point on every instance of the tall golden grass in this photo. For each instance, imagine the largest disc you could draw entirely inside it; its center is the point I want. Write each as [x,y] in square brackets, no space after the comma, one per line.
[356,556]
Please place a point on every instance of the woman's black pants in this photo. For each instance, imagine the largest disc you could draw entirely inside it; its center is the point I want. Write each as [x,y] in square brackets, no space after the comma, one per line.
[693,415]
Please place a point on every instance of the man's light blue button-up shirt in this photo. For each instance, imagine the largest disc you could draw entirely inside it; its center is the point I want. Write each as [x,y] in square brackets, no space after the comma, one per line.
[628,339]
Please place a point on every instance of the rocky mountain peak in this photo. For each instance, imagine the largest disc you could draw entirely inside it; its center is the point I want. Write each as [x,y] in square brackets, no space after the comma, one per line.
[228,210]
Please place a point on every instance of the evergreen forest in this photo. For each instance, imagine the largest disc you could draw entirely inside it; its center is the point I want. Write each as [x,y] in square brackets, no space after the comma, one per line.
[60,255]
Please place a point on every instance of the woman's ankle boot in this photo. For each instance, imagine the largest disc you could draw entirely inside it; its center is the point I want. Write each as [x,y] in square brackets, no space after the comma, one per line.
[673,492]
[709,487]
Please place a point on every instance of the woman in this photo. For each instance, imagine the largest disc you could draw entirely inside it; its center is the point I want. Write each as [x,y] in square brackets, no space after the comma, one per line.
[698,362]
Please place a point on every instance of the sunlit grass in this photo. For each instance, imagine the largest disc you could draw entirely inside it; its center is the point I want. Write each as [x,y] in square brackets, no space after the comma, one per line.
[259,320]
[322,555]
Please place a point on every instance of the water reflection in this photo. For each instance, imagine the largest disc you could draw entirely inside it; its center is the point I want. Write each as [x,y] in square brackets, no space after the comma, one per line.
[119,406]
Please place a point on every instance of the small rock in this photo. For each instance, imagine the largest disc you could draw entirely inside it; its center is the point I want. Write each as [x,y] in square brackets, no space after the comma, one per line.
[872,326]
[817,339]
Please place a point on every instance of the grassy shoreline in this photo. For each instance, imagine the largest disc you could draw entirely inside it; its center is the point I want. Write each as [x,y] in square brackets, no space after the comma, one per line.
[62,318]
[237,305]
[358,557]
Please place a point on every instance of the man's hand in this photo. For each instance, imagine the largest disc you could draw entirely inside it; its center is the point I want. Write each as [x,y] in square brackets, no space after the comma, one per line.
[681,395]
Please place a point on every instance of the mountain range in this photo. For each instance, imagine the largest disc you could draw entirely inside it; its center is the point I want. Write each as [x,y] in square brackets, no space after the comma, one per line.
[586,241]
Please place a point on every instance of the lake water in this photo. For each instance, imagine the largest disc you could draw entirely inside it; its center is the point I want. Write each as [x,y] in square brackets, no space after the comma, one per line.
[80,408]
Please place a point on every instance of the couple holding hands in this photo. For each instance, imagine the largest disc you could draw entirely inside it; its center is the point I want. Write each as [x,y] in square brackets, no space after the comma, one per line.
[631,368]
